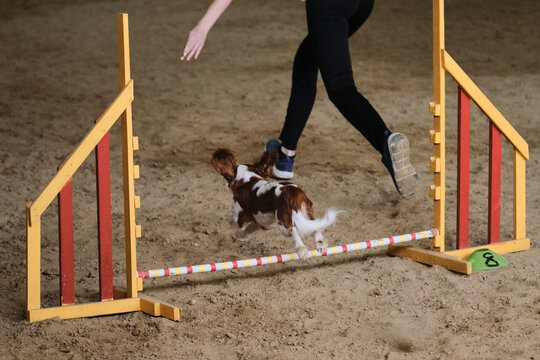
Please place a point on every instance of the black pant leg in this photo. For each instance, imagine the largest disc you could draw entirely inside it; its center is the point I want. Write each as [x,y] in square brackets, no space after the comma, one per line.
[328,26]
[361,14]
[303,92]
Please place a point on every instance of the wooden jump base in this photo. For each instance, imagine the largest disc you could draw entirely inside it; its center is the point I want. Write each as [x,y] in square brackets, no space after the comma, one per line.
[276,259]
[115,301]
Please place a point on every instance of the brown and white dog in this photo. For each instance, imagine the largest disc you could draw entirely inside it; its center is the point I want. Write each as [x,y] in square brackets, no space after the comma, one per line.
[258,203]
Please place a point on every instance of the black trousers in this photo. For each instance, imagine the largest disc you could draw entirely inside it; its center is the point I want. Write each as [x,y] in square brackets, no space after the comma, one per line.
[326,48]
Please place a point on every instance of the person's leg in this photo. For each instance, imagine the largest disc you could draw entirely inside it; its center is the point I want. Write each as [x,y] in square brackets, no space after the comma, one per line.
[360,16]
[328,25]
[303,92]
[304,82]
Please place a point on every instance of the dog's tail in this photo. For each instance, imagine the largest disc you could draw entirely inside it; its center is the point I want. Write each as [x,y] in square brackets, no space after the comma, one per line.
[306,226]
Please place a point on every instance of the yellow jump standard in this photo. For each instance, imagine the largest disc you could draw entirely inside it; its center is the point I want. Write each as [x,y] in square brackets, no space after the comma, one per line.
[499,126]
[124,300]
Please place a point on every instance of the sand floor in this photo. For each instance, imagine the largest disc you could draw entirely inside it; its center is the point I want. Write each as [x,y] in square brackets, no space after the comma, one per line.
[58,70]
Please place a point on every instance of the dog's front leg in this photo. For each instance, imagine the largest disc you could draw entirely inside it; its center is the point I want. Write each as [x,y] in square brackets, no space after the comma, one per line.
[245,233]
[230,219]
[299,244]
[234,215]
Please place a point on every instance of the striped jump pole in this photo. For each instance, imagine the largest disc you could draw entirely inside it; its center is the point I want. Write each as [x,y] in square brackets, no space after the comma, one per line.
[228,265]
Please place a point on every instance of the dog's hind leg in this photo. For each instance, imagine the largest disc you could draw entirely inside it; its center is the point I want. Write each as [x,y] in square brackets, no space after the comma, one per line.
[299,244]
[320,243]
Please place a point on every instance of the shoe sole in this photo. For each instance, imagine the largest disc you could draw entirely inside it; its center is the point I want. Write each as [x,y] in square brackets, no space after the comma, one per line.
[283,175]
[404,173]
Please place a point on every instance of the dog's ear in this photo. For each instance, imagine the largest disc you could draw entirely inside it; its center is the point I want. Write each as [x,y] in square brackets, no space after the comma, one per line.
[267,160]
[225,164]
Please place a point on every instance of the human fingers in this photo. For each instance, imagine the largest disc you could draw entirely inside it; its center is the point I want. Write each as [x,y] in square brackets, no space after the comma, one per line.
[198,52]
[190,44]
[186,51]
[192,52]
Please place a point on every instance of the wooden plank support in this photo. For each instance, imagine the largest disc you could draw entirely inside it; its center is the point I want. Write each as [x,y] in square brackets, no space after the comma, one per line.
[33,260]
[152,306]
[127,159]
[437,135]
[519,195]
[485,105]
[503,247]
[85,147]
[103,183]
[155,307]
[65,234]
[86,310]
[494,200]
[429,257]
[464,125]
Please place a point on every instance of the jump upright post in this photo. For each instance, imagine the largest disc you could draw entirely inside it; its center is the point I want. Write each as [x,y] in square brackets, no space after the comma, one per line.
[498,126]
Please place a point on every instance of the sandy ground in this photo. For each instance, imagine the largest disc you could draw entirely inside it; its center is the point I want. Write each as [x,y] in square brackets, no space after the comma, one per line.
[58,70]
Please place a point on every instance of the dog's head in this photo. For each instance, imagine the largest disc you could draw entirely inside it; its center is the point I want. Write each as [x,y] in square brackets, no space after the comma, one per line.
[226,165]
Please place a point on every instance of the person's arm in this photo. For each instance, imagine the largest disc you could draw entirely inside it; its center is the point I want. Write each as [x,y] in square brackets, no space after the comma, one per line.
[197,36]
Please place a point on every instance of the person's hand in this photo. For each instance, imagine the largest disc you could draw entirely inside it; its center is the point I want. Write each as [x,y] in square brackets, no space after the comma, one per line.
[194,44]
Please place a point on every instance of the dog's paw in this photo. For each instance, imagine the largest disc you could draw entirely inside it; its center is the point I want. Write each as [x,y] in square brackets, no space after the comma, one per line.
[302,252]
[321,246]
[230,219]
[241,235]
